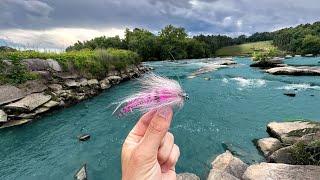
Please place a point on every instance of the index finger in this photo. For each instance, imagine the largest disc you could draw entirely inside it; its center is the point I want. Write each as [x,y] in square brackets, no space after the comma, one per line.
[141,127]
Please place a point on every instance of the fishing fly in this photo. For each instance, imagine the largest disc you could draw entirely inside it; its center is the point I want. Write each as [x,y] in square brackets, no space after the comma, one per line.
[155,92]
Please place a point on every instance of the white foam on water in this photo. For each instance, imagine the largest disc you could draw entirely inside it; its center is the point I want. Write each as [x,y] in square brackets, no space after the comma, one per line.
[249,83]
[299,87]
[225,80]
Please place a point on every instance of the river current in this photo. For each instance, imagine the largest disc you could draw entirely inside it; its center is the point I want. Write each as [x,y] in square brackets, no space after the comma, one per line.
[229,111]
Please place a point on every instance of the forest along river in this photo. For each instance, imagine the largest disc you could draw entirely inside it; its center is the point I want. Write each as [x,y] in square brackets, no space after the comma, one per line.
[226,112]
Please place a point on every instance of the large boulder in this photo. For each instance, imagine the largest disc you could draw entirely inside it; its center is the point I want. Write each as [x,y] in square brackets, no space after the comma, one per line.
[54,65]
[227,163]
[51,104]
[265,171]
[15,123]
[83,82]
[36,64]
[33,86]
[10,93]
[29,103]
[267,64]
[187,176]
[283,155]
[220,175]
[3,116]
[296,71]
[268,145]
[290,132]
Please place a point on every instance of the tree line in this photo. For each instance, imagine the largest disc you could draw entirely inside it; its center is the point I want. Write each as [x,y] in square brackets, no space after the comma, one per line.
[171,42]
[303,39]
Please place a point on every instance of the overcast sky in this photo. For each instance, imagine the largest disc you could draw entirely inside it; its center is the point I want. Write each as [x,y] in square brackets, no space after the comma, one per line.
[59,23]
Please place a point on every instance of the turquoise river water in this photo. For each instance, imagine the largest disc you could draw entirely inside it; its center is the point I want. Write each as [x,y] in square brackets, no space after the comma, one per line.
[227,112]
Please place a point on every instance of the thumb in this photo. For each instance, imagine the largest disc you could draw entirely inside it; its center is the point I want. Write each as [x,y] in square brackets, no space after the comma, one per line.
[158,127]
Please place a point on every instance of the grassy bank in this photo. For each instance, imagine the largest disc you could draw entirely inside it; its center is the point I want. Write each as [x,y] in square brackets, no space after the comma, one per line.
[245,49]
[85,62]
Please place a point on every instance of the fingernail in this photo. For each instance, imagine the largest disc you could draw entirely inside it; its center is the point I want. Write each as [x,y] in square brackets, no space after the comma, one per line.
[164,112]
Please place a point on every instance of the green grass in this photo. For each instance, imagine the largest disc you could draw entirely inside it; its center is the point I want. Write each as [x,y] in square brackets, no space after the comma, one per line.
[92,64]
[245,49]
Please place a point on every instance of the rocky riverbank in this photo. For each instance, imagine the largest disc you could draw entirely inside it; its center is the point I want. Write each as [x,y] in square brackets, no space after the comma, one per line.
[292,152]
[54,89]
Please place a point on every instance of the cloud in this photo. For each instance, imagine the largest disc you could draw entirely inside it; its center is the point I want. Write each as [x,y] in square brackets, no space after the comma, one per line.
[231,17]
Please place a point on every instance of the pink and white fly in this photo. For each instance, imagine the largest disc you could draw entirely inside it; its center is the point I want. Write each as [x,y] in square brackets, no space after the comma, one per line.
[156,92]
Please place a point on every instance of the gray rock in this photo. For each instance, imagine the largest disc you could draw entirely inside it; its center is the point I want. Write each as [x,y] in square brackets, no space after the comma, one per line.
[113,73]
[71,83]
[81,173]
[227,163]
[44,74]
[41,110]
[3,116]
[54,65]
[27,115]
[280,130]
[282,155]
[51,104]
[30,102]
[187,176]
[83,82]
[10,93]
[268,145]
[266,171]
[220,175]
[93,82]
[67,75]
[295,71]
[33,86]
[105,84]
[15,123]
[36,64]
[55,87]
[114,79]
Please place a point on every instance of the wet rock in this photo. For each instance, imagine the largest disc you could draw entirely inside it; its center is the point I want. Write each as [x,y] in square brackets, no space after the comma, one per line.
[281,171]
[54,65]
[71,83]
[81,173]
[290,94]
[268,145]
[93,82]
[27,115]
[83,82]
[114,79]
[41,110]
[10,93]
[29,103]
[288,56]
[282,155]
[105,84]
[295,71]
[220,175]
[267,64]
[227,163]
[309,55]
[281,130]
[207,78]
[33,86]
[84,137]
[55,87]
[3,116]
[187,176]
[15,123]
[51,104]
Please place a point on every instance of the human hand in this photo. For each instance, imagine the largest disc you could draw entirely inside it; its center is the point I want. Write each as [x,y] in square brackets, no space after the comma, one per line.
[149,152]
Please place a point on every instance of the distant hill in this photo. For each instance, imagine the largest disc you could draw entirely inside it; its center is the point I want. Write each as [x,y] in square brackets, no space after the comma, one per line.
[244,49]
